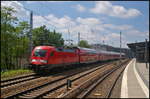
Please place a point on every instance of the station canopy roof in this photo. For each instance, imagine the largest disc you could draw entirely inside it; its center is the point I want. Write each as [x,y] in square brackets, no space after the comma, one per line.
[140,46]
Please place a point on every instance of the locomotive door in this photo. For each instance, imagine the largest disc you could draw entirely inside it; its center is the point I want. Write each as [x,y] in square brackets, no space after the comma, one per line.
[60,56]
[66,56]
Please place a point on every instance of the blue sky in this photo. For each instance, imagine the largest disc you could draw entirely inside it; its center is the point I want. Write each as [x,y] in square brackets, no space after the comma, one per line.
[97,21]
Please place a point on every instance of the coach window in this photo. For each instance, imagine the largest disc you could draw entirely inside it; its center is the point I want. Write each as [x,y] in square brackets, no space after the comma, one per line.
[69,50]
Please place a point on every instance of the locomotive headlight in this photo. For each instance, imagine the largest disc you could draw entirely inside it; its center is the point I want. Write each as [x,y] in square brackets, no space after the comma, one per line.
[43,61]
[34,60]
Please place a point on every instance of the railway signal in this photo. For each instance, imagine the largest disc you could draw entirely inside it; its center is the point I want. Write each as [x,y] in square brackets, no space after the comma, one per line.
[68,84]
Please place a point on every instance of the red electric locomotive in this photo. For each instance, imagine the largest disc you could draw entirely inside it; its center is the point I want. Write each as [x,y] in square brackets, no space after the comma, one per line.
[47,57]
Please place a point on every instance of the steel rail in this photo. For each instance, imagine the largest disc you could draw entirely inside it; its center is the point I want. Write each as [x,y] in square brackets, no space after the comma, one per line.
[19,80]
[113,85]
[102,79]
[51,82]
[80,88]
[18,77]
[63,84]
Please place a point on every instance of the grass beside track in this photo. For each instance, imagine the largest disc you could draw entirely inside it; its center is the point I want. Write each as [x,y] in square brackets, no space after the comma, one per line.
[13,73]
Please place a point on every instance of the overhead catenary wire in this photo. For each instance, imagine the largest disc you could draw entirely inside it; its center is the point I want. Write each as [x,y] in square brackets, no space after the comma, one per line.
[47,20]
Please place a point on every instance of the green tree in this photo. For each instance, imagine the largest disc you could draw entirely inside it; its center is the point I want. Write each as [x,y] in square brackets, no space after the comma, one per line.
[22,46]
[6,15]
[14,40]
[7,35]
[22,29]
[42,36]
[84,43]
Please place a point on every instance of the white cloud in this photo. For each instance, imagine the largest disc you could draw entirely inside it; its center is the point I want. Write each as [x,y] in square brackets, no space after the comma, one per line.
[63,22]
[88,21]
[60,24]
[80,8]
[91,29]
[113,39]
[39,21]
[31,2]
[114,35]
[106,7]
[118,27]
[136,33]
[101,7]
[21,12]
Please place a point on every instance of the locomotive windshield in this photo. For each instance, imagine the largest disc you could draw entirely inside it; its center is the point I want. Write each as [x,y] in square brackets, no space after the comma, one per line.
[40,53]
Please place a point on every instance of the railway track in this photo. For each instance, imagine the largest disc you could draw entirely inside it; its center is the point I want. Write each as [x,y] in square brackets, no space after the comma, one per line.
[110,90]
[16,80]
[57,85]
[49,86]
[85,90]
[109,80]
[62,87]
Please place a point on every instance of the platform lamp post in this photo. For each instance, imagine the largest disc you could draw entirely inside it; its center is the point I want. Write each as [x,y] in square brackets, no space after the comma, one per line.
[135,55]
[146,53]
[120,46]
[136,50]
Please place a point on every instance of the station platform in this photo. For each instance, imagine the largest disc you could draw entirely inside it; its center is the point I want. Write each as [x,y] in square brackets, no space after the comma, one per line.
[135,81]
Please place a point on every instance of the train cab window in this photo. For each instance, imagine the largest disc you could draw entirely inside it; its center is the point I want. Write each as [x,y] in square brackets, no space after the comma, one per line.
[59,49]
[39,53]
